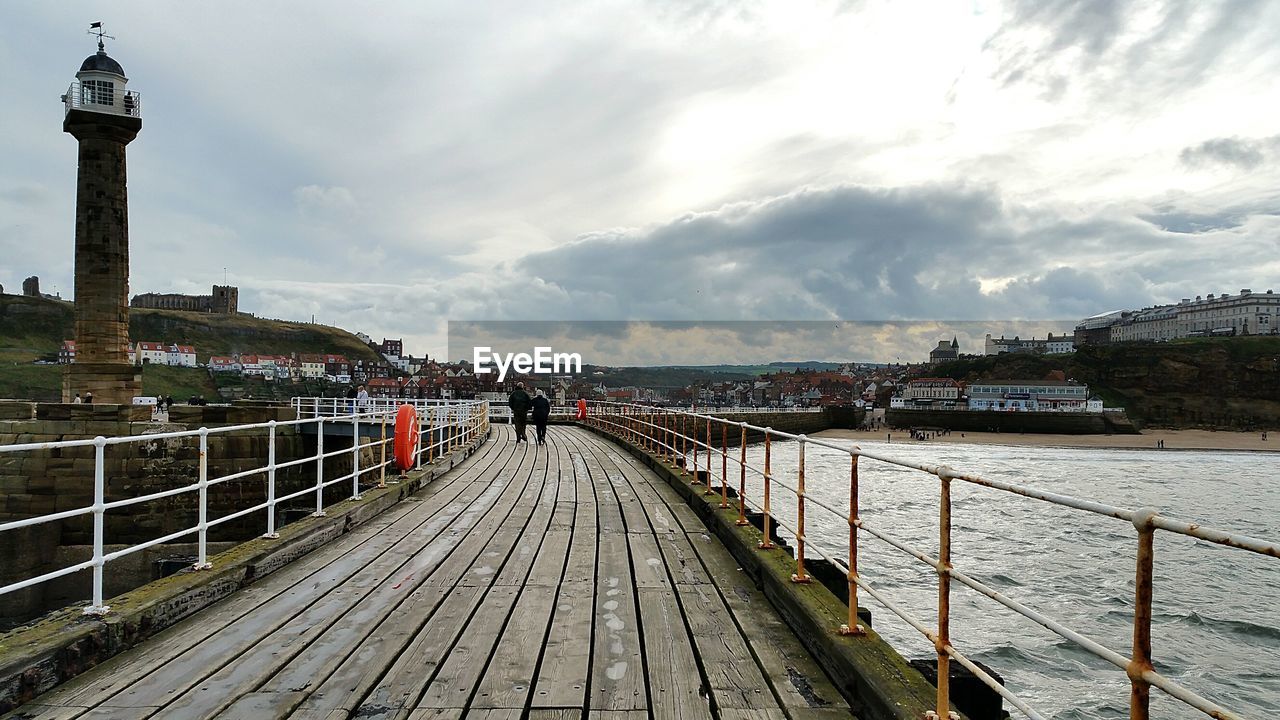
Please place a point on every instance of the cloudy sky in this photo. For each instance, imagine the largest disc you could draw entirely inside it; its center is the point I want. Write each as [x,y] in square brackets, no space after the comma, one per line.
[389,167]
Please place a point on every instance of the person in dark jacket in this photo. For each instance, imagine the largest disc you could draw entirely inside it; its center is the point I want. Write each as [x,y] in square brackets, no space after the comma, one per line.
[519,403]
[541,413]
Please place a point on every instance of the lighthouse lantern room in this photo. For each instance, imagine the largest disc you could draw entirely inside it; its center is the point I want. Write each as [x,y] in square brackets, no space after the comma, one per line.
[100,85]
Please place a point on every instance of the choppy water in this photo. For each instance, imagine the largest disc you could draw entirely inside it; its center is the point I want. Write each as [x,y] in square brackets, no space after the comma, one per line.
[1216,610]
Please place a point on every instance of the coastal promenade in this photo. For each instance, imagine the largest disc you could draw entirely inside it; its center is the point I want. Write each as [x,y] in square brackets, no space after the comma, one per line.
[545,582]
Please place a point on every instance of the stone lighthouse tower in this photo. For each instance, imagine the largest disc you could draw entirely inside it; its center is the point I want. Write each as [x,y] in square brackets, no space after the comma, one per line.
[104,117]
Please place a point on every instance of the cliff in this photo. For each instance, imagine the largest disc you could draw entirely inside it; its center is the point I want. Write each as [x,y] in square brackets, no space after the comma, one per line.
[1228,383]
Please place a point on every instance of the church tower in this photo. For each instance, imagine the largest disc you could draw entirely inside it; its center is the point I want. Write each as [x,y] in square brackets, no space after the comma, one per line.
[104,117]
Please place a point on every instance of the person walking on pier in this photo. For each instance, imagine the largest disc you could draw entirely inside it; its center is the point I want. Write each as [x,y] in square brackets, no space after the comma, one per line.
[519,403]
[541,414]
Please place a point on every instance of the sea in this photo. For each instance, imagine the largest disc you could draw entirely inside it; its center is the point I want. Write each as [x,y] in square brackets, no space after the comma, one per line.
[1216,610]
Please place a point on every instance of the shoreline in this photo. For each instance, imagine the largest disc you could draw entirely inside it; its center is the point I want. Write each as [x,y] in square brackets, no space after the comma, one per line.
[1174,440]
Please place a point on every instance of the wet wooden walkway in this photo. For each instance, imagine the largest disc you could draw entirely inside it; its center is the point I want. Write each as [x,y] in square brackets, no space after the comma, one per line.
[558,582]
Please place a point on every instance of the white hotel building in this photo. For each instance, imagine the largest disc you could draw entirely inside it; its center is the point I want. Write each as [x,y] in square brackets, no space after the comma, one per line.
[1032,396]
[1248,313]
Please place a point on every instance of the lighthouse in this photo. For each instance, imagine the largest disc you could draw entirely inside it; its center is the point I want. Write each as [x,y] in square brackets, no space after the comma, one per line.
[104,116]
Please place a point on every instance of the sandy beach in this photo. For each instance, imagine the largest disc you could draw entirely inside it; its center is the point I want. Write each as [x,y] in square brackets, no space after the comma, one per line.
[1173,439]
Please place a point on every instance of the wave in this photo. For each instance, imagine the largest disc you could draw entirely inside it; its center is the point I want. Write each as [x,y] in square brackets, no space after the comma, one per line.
[1242,628]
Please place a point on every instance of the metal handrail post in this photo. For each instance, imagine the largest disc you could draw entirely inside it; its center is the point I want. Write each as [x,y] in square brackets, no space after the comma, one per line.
[382,443]
[202,526]
[767,542]
[853,627]
[942,642]
[742,479]
[1140,689]
[355,457]
[271,481]
[707,490]
[693,441]
[431,435]
[800,575]
[319,512]
[668,442]
[724,466]
[96,606]
[684,444]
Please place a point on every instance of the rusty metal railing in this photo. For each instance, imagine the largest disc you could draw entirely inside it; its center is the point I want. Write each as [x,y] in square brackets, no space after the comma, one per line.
[442,429]
[666,433]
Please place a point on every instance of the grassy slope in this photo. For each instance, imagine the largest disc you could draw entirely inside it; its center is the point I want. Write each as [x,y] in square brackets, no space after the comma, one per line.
[34,328]
[31,328]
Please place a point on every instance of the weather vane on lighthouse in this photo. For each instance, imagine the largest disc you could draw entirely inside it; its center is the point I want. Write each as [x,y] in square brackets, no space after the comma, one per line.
[97,29]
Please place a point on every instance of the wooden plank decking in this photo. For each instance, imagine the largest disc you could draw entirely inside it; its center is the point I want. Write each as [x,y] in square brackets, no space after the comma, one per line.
[559,582]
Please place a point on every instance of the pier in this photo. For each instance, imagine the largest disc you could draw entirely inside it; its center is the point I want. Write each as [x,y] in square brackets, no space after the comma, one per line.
[546,579]
[624,570]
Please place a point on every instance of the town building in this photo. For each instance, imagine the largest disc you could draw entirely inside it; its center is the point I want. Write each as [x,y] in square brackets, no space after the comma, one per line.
[1050,345]
[311,366]
[225,299]
[1032,396]
[931,391]
[152,353]
[1096,330]
[222,363]
[180,356]
[1060,345]
[337,368]
[1248,313]
[945,352]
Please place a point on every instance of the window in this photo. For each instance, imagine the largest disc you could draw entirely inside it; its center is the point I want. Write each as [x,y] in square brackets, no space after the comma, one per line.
[98,92]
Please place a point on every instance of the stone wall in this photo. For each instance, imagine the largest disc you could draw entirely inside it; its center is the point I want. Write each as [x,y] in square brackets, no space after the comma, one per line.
[1011,422]
[42,482]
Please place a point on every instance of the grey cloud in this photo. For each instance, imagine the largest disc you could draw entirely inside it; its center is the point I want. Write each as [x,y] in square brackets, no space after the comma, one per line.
[1111,51]
[1244,153]
[843,252]
[1192,222]
[850,252]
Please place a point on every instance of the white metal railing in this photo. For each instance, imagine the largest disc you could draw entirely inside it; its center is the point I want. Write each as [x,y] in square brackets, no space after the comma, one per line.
[713,408]
[312,407]
[445,427]
[112,101]
[666,433]
[332,407]
[560,412]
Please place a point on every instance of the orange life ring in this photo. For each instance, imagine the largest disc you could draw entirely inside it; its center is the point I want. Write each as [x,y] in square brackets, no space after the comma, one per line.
[406,443]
